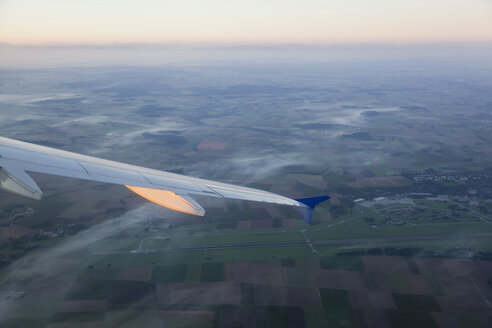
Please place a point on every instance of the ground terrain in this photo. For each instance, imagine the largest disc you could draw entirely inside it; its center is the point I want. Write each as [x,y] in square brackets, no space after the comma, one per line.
[403,148]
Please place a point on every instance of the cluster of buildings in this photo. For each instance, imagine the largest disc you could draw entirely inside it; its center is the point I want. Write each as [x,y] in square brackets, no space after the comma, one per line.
[440,177]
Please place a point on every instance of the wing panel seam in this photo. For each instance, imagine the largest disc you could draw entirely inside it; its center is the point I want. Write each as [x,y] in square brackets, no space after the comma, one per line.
[143,176]
[82,167]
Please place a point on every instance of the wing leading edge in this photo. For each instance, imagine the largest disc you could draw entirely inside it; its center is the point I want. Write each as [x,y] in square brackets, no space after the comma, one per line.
[164,188]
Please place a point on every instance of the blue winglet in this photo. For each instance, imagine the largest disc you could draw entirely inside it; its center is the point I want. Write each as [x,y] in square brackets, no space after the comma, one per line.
[311,202]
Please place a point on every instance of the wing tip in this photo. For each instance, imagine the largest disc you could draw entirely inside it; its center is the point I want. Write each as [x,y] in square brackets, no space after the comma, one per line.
[309,204]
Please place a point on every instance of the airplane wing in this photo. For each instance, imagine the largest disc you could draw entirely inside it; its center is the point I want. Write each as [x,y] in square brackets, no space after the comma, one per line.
[164,188]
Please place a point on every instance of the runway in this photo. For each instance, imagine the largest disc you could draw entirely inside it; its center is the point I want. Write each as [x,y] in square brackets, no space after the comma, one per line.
[297,243]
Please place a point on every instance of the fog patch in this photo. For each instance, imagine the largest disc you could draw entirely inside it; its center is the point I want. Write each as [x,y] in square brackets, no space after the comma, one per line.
[91,119]
[42,99]
[247,167]
[161,126]
[351,117]
[359,159]
[47,268]
[19,118]
[120,139]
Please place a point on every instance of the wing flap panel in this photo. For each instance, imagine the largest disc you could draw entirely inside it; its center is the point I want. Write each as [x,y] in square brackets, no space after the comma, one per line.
[181,203]
[19,182]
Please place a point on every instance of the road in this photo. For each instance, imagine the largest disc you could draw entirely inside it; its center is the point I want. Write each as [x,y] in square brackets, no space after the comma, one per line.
[298,243]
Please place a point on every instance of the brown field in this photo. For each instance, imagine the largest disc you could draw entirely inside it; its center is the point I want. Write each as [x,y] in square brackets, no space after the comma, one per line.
[135,273]
[460,268]
[270,295]
[259,214]
[162,293]
[352,280]
[376,318]
[371,300]
[335,198]
[286,296]
[205,293]
[289,223]
[262,224]
[415,284]
[402,283]
[432,267]
[459,287]
[359,299]
[484,287]
[254,273]
[463,305]
[329,279]
[300,276]
[282,185]
[381,300]
[340,279]
[231,317]
[386,264]
[90,324]
[83,306]
[14,231]
[303,296]
[208,144]
[315,181]
[441,320]
[273,212]
[47,284]
[189,318]
[243,225]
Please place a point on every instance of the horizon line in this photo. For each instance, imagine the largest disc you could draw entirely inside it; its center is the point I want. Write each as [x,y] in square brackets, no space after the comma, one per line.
[242,43]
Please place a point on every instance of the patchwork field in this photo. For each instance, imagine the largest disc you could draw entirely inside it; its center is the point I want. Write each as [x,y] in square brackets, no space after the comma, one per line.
[402,147]
[379,291]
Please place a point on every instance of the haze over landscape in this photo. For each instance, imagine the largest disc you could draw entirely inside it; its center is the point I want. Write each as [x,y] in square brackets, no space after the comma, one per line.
[385,107]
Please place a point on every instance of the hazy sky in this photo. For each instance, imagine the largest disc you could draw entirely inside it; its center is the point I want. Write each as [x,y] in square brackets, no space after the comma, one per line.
[296,21]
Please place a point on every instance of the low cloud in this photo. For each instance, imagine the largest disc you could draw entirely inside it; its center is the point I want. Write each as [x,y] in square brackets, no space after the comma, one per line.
[51,268]
[247,166]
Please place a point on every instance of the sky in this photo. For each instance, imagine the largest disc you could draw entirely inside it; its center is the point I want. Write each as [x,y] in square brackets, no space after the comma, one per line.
[244,21]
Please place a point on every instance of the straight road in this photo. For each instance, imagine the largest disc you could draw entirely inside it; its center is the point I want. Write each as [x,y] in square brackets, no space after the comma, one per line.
[298,243]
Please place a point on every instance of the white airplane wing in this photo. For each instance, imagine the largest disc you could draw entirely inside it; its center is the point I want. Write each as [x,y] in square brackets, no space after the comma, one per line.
[164,188]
